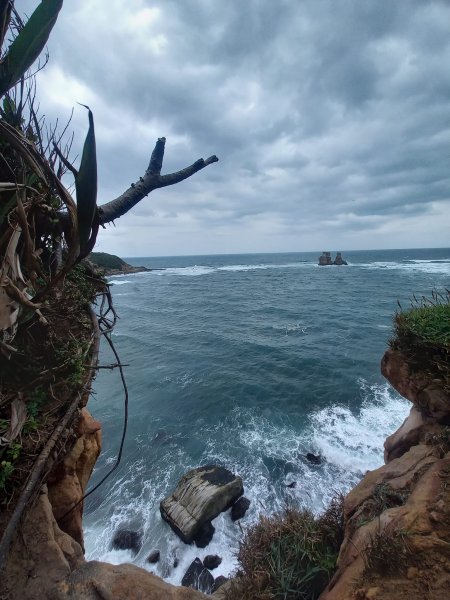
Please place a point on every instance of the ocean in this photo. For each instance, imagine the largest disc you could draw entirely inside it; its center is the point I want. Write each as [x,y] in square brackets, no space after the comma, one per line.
[247,361]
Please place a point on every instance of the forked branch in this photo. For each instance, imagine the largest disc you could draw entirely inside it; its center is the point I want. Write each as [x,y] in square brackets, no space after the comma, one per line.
[151,180]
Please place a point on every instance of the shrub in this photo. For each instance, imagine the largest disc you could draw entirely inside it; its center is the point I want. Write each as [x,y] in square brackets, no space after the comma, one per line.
[291,555]
[387,553]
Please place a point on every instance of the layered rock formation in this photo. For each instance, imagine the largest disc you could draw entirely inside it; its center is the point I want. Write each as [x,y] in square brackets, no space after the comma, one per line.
[199,497]
[46,559]
[397,540]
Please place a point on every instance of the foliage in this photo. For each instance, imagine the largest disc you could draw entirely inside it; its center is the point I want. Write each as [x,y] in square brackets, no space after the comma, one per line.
[86,187]
[107,261]
[291,555]
[387,553]
[28,44]
[422,333]
[425,323]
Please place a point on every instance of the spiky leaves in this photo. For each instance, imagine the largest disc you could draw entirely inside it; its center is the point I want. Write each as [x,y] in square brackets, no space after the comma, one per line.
[28,44]
[86,188]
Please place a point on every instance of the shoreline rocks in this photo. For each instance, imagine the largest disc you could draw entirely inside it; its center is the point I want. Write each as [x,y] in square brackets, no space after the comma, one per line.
[127,539]
[200,496]
[198,577]
[239,508]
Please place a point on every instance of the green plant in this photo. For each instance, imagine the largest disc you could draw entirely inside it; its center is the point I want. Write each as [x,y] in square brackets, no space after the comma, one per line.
[422,334]
[6,470]
[387,553]
[291,555]
[28,44]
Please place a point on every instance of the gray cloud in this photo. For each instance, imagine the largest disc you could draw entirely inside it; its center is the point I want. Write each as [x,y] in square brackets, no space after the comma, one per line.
[330,119]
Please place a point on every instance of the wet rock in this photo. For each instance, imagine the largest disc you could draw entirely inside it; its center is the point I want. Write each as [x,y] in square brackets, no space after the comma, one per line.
[292,485]
[198,578]
[204,535]
[126,539]
[314,459]
[239,508]
[154,557]
[218,581]
[212,561]
[199,497]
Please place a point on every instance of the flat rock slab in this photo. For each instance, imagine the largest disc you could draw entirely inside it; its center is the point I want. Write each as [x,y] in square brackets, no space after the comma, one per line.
[199,497]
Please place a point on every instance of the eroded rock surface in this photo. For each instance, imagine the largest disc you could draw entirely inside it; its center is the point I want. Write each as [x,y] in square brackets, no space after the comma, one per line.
[68,480]
[397,519]
[199,497]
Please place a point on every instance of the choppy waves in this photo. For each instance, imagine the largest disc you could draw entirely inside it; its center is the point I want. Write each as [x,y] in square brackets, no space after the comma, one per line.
[268,457]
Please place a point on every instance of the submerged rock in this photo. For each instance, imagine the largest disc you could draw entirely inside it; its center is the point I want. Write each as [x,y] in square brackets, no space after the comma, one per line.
[198,577]
[199,497]
[126,539]
[154,557]
[239,508]
[314,459]
[212,561]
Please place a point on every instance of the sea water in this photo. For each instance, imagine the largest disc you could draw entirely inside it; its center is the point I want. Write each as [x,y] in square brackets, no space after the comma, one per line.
[250,362]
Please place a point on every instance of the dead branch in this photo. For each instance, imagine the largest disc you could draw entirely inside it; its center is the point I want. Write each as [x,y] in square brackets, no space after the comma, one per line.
[152,180]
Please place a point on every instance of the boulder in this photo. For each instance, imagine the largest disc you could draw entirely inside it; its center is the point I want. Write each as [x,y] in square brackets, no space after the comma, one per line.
[239,508]
[212,561]
[219,581]
[198,578]
[127,539]
[314,459]
[204,534]
[199,497]
[154,557]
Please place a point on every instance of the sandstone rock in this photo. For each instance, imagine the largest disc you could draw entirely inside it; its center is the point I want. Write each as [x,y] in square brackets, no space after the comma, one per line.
[127,539]
[198,577]
[212,561]
[41,555]
[68,480]
[199,497]
[239,508]
[413,430]
[415,385]
[154,557]
[94,580]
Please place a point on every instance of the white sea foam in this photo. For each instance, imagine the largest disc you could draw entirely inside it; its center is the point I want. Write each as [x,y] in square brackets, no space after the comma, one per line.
[197,270]
[441,266]
[268,457]
[118,282]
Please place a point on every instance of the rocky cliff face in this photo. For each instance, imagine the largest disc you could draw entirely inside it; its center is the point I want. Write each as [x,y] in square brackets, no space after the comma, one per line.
[397,519]
[397,541]
[47,560]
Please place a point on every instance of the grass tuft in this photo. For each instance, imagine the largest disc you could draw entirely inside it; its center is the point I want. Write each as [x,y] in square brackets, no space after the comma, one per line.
[387,553]
[291,555]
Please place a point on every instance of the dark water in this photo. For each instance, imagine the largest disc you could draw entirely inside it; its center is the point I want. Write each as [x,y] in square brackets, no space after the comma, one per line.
[249,361]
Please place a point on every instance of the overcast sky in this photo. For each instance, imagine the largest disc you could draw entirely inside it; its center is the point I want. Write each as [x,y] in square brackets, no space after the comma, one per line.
[330,119]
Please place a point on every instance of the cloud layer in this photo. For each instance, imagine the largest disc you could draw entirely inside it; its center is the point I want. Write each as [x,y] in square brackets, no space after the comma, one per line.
[330,119]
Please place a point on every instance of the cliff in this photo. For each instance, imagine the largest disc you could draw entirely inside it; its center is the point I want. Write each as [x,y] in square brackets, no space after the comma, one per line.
[396,520]
[110,264]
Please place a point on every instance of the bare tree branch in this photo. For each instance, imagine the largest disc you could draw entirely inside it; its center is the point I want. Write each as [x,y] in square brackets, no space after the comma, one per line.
[152,180]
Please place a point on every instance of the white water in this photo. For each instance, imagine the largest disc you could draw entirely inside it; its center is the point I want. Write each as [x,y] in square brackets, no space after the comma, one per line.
[350,444]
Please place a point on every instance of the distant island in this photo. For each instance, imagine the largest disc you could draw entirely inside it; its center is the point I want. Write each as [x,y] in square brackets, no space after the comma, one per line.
[325,259]
[110,264]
